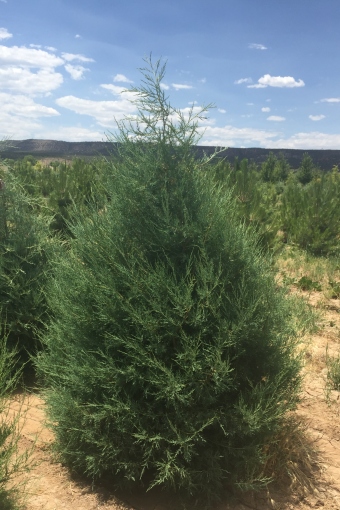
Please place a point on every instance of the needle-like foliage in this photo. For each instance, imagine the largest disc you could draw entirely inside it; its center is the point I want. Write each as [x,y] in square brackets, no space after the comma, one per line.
[170,359]
[24,243]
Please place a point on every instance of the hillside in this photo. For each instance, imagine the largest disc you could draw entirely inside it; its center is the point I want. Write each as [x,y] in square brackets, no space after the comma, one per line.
[324,159]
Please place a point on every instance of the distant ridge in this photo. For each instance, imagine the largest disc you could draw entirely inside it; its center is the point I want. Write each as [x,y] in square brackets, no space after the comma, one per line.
[324,159]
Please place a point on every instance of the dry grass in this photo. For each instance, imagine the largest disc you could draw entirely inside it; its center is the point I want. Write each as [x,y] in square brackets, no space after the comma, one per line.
[293,264]
[292,457]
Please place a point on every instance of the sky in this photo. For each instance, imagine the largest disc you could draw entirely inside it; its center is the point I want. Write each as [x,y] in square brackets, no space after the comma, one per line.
[270,68]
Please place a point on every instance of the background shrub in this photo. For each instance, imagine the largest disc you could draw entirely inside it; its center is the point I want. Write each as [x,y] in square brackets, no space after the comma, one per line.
[24,244]
[256,199]
[62,185]
[311,214]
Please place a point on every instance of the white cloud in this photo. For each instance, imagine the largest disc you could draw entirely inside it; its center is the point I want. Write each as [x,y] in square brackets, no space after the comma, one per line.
[203,80]
[222,110]
[19,79]
[29,70]
[164,86]
[179,86]
[76,72]
[254,46]
[50,48]
[331,100]
[243,80]
[24,106]
[104,112]
[115,89]
[276,118]
[316,117]
[311,140]
[118,90]
[20,115]
[277,81]
[265,109]
[122,78]
[17,128]
[32,69]
[5,34]
[230,136]
[72,134]
[69,57]
[77,36]
[28,57]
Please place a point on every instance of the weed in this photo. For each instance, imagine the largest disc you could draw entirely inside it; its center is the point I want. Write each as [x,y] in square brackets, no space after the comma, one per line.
[335,289]
[306,283]
[12,462]
[306,317]
[292,457]
[333,371]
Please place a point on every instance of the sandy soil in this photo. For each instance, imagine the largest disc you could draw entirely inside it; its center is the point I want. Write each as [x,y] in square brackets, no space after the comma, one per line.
[50,487]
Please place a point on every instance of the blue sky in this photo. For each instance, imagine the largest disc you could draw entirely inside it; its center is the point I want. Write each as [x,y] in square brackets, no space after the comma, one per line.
[270,67]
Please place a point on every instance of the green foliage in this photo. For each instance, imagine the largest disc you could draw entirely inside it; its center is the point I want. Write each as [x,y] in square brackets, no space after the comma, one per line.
[11,462]
[335,289]
[307,170]
[303,283]
[282,169]
[63,185]
[170,356]
[311,214]
[306,283]
[268,168]
[256,201]
[333,373]
[24,244]
[66,187]
[274,169]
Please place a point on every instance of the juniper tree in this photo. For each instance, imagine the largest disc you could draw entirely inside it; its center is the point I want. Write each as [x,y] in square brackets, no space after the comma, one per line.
[256,200]
[24,243]
[306,170]
[170,358]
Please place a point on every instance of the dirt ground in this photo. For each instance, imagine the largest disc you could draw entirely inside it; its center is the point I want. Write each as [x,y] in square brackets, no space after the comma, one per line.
[49,486]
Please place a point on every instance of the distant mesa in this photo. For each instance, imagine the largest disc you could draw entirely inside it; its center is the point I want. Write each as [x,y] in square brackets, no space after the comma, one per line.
[324,159]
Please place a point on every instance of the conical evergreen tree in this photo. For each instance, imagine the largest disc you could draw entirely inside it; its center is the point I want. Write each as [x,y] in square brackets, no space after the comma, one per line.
[169,356]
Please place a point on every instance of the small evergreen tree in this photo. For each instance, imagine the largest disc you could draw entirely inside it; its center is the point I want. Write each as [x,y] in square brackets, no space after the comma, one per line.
[282,169]
[310,214]
[256,201]
[268,168]
[307,170]
[24,243]
[170,358]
